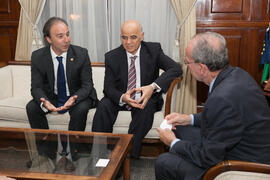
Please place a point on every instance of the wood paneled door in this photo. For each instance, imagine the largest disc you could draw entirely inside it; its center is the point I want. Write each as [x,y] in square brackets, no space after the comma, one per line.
[243,23]
[9,20]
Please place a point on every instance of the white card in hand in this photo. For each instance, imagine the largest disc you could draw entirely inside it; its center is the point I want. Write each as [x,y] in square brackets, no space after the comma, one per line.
[165,125]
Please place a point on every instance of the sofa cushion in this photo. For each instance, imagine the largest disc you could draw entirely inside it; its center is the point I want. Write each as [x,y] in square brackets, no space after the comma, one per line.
[240,175]
[17,83]
[21,81]
[6,82]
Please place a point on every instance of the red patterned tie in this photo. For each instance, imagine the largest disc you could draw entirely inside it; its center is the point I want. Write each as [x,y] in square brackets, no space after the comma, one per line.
[132,78]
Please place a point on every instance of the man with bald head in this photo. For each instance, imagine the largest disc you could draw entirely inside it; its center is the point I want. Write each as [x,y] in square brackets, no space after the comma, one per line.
[132,83]
[233,124]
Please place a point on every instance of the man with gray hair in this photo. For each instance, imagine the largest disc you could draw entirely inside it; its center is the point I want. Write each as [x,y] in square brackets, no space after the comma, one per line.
[233,124]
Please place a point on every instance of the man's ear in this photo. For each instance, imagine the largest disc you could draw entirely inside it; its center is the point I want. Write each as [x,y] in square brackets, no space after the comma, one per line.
[48,39]
[203,68]
[142,35]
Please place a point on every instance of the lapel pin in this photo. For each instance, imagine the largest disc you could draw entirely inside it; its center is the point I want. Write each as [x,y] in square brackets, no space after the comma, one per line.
[71,59]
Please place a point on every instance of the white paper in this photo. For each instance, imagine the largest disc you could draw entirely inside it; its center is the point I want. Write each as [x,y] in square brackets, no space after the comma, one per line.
[102,162]
[165,125]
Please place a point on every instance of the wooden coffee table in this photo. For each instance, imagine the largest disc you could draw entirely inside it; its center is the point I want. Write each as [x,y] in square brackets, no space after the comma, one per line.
[23,154]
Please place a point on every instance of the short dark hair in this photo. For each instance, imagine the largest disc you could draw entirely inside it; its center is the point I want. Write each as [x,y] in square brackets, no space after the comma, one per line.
[48,25]
[215,58]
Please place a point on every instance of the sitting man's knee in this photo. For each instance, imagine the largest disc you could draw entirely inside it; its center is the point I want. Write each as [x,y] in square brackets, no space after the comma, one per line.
[31,106]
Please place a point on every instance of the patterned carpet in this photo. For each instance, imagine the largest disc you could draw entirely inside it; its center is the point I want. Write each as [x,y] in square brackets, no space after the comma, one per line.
[142,169]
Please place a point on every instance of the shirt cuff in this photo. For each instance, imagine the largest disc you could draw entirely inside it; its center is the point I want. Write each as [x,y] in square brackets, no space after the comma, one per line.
[174,141]
[121,103]
[43,108]
[155,87]
[192,120]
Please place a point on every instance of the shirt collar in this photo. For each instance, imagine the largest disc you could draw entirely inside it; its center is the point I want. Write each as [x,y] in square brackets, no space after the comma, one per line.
[211,84]
[137,53]
[64,55]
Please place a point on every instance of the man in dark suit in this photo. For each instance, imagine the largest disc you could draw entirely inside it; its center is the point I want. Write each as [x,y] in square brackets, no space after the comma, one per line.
[132,82]
[233,125]
[61,79]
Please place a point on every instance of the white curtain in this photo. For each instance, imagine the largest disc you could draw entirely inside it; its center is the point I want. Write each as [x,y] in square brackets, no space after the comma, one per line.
[87,20]
[95,24]
[28,38]
[156,17]
[186,96]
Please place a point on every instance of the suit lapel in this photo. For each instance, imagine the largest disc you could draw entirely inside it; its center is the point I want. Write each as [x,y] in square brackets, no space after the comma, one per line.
[48,64]
[143,63]
[69,60]
[123,64]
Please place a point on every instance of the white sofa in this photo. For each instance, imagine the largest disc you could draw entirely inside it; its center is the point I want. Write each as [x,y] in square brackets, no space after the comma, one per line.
[15,93]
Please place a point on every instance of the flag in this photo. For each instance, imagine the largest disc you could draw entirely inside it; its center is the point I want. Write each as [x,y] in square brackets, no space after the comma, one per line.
[265,56]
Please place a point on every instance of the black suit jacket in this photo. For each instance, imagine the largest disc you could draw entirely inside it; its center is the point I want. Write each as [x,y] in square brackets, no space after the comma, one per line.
[78,73]
[235,123]
[152,59]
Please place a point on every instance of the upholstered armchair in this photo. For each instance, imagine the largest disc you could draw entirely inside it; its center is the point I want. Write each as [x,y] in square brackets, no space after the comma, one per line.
[238,170]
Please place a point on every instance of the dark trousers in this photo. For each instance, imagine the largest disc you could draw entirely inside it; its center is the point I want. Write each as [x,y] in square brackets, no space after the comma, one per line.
[37,119]
[141,123]
[172,166]
[78,115]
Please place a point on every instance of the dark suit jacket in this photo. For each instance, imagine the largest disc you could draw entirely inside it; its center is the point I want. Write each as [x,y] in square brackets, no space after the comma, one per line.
[235,123]
[78,72]
[152,59]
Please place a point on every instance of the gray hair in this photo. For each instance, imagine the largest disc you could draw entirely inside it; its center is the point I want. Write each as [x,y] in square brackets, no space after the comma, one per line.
[210,49]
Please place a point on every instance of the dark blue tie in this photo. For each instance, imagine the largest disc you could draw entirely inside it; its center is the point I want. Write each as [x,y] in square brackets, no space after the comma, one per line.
[61,84]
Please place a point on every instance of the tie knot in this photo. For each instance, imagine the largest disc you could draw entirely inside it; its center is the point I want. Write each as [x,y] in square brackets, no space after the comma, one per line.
[133,58]
[59,59]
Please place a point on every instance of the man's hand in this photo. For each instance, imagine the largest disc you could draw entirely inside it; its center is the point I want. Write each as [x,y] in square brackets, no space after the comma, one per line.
[166,136]
[132,102]
[69,103]
[178,119]
[48,105]
[147,92]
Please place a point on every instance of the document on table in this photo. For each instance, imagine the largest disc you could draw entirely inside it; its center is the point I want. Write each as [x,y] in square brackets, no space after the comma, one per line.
[102,162]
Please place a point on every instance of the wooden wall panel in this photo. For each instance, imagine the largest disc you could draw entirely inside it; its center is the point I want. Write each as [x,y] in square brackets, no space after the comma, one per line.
[228,6]
[9,19]
[243,24]
[5,6]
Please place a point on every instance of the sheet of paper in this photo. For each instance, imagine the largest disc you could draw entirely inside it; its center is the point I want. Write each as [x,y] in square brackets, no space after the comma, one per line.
[165,125]
[102,162]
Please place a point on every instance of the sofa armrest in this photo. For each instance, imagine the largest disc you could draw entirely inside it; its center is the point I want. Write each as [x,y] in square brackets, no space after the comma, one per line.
[232,165]
[6,82]
[168,101]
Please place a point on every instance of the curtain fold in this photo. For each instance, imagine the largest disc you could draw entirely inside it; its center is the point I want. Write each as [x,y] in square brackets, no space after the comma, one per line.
[87,23]
[27,30]
[157,21]
[186,95]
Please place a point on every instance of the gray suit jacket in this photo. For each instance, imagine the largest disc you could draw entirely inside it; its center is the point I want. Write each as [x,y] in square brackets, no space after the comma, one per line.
[78,72]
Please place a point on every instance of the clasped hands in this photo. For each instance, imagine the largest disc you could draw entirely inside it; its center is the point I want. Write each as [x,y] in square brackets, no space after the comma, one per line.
[146,91]
[50,107]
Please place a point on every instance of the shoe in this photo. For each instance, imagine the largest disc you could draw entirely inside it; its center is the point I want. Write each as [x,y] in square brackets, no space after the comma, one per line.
[64,165]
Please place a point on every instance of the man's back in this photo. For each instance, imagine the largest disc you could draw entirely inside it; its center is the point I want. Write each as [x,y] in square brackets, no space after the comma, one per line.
[239,90]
